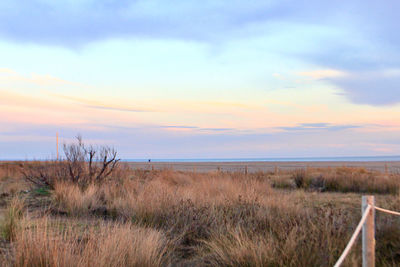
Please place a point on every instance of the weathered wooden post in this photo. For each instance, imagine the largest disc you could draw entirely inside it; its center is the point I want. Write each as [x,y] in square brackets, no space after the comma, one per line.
[245,170]
[368,233]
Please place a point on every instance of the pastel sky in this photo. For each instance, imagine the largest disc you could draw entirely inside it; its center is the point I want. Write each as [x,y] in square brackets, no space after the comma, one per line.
[201,79]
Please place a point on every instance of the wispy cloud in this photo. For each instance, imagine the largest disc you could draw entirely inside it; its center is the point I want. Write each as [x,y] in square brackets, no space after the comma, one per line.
[116,108]
[97,105]
[315,125]
[322,74]
[198,128]
[178,127]
[29,140]
[217,129]
[318,127]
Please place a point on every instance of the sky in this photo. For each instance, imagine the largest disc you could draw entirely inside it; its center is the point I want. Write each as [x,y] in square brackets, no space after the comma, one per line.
[200,79]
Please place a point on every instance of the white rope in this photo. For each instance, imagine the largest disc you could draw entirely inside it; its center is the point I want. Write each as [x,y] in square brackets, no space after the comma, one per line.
[353,237]
[388,211]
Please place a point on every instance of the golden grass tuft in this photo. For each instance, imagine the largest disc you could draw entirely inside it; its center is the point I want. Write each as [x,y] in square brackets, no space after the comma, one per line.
[11,222]
[54,244]
[70,198]
[236,248]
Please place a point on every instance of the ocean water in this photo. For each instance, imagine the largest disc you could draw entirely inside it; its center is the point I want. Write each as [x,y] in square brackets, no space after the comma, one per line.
[305,159]
[297,159]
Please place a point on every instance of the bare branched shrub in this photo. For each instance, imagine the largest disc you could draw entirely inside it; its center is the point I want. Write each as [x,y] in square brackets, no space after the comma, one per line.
[82,165]
[44,174]
[88,164]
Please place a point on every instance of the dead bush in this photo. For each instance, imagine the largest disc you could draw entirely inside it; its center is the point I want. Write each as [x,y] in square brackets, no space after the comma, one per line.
[81,165]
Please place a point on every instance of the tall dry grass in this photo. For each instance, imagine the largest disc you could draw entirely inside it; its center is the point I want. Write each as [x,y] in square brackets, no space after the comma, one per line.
[133,196]
[54,244]
[73,200]
[209,219]
[200,210]
[10,223]
[342,179]
[304,238]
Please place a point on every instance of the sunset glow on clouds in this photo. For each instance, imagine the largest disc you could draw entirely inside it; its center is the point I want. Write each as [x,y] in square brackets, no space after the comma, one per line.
[204,79]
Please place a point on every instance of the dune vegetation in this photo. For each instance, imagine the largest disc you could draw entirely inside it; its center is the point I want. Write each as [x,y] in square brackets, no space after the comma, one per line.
[134,217]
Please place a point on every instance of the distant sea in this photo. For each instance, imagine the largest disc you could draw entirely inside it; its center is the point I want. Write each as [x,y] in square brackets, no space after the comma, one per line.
[305,159]
[299,159]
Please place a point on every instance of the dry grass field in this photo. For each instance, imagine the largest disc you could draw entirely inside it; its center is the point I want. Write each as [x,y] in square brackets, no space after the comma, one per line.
[142,217]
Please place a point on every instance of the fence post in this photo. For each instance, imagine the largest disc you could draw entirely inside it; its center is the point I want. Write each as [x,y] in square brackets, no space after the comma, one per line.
[245,170]
[368,233]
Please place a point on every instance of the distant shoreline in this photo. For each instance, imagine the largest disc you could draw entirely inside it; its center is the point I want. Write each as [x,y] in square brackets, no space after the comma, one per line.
[395,158]
[293,159]
[254,166]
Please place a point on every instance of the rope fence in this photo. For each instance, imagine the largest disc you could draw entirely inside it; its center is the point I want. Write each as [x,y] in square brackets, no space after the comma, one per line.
[353,237]
[367,224]
[388,211]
